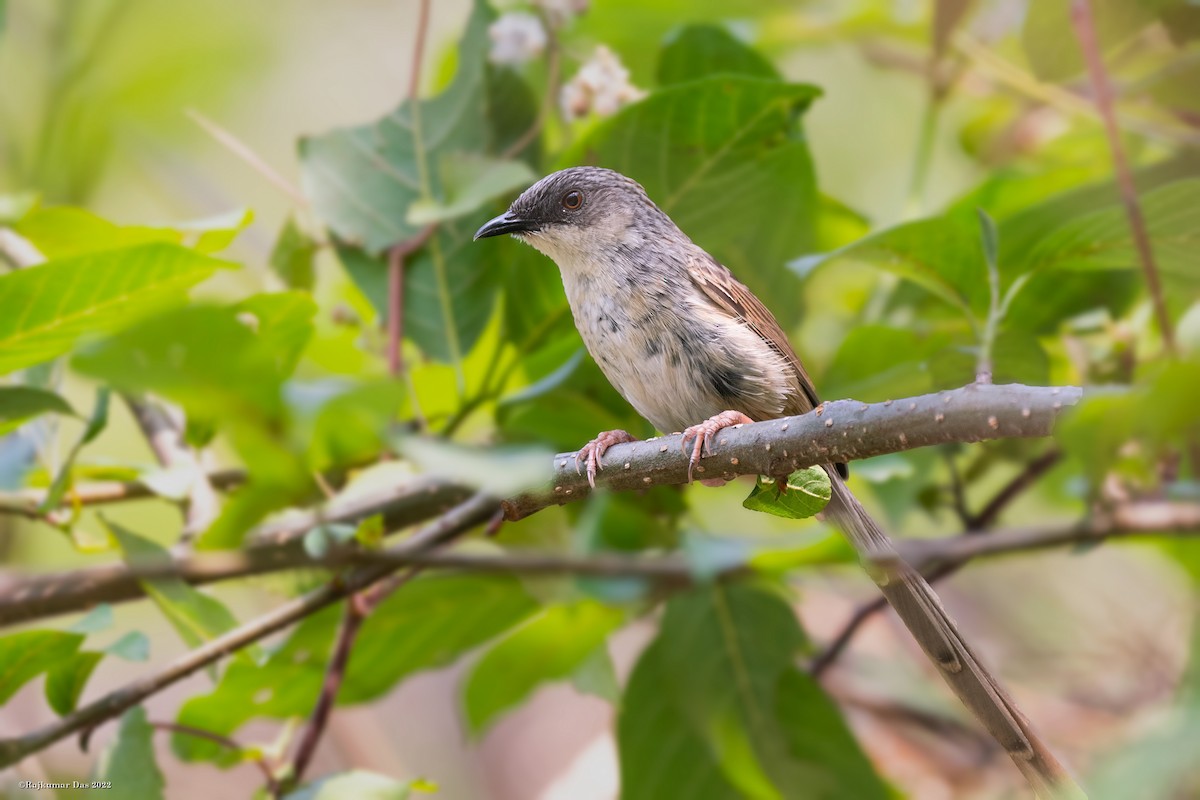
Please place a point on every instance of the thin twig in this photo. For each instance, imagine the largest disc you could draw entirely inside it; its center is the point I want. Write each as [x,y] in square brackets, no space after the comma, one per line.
[352,620]
[1085,32]
[395,319]
[25,502]
[553,75]
[247,154]
[223,741]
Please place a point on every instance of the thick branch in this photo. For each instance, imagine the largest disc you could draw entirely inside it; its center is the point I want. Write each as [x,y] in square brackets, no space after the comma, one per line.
[844,430]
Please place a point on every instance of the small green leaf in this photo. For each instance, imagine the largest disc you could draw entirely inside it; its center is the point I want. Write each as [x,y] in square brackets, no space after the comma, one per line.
[128,764]
[370,531]
[25,655]
[66,680]
[133,646]
[292,257]
[61,300]
[807,493]
[21,403]
[357,783]
[551,646]
[98,619]
[96,424]
[197,617]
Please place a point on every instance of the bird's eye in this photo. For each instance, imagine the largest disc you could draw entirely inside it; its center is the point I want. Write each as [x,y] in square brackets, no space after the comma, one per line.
[572,200]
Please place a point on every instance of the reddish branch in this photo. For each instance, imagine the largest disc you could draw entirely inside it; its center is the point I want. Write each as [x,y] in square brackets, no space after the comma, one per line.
[1085,31]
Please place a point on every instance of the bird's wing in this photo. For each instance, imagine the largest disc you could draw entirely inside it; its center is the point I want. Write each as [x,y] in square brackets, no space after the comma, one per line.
[729,295]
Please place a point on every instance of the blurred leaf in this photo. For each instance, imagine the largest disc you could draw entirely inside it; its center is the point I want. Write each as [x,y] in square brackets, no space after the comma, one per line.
[98,619]
[353,426]
[128,763]
[362,180]
[25,655]
[512,108]
[713,154]
[1017,357]
[550,646]
[1049,38]
[62,300]
[197,617]
[133,646]
[472,180]
[807,494]
[701,51]
[427,623]
[21,403]
[292,257]
[95,425]
[500,471]
[63,232]
[716,708]
[548,382]
[66,680]
[1181,19]
[356,783]
[880,362]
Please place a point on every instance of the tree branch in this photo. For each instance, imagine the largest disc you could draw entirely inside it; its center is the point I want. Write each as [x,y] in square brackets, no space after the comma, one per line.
[843,430]
[463,517]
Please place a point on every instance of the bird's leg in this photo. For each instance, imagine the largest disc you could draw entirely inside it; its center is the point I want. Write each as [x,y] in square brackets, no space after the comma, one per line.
[593,451]
[703,433]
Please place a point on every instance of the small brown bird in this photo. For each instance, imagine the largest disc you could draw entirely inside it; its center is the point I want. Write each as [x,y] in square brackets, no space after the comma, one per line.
[693,350]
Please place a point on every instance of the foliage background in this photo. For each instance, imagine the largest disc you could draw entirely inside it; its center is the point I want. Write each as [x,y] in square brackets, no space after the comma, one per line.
[853,211]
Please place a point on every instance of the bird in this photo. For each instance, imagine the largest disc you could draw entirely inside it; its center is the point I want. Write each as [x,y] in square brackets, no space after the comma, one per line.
[693,350]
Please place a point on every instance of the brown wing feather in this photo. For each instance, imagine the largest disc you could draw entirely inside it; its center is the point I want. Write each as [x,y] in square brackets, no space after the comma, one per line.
[731,296]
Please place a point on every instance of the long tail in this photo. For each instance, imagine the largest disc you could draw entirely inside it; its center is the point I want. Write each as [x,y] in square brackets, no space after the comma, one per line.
[919,608]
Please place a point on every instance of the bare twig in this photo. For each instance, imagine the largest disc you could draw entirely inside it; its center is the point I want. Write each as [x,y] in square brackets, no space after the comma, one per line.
[223,741]
[25,502]
[247,154]
[395,320]
[1085,32]
[352,619]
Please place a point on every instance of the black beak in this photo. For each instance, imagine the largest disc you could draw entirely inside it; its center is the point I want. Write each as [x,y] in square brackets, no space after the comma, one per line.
[505,223]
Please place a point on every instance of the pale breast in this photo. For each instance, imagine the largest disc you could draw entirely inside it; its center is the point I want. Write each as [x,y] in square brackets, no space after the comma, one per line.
[670,354]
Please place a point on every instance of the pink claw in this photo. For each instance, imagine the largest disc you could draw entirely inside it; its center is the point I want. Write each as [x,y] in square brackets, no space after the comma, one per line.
[702,434]
[593,451]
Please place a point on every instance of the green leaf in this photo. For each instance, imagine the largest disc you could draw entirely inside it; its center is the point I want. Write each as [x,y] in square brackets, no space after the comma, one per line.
[98,619]
[880,362]
[472,181]
[128,764]
[59,301]
[95,425]
[713,154]
[356,783]
[63,231]
[362,180]
[701,51]
[551,646]
[292,257]
[25,655]
[198,618]
[21,403]
[217,362]
[427,623]
[66,680]
[807,493]
[716,709]
[133,646]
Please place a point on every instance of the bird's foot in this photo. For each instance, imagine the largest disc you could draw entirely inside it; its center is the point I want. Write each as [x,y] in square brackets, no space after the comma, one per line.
[701,435]
[591,453]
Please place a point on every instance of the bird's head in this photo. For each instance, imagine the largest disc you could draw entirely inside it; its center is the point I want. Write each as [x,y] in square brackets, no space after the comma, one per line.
[576,213]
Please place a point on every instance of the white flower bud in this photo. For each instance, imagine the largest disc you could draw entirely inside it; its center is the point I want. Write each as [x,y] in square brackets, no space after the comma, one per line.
[516,37]
[601,86]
